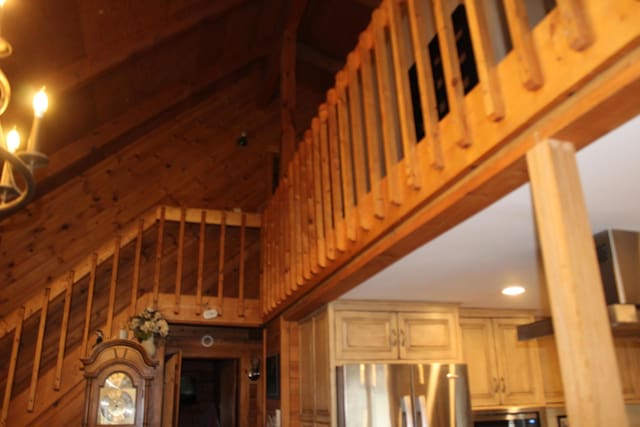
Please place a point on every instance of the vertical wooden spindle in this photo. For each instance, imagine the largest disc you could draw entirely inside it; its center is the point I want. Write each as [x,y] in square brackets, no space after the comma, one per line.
[135,281]
[518,20]
[452,75]
[296,263]
[243,223]
[485,59]
[31,402]
[335,172]
[422,29]
[278,256]
[180,260]
[317,193]
[112,288]
[8,388]
[156,272]
[223,232]
[346,168]
[327,209]
[57,382]
[575,24]
[311,204]
[304,272]
[203,225]
[303,186]
[89,307]
[264,270]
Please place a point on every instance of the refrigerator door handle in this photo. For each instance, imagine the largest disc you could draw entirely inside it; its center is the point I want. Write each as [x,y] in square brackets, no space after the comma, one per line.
[405,412]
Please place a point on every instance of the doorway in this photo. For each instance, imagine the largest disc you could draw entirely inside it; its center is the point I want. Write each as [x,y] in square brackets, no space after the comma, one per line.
[209,393]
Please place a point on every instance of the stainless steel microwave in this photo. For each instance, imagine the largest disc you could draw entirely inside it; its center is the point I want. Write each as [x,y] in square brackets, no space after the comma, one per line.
[509,418]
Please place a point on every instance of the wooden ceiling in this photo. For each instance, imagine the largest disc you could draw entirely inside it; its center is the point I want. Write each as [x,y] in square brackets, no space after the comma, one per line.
[147,101]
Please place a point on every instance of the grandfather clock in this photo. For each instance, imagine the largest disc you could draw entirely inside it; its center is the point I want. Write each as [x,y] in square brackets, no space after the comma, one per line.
[121,380]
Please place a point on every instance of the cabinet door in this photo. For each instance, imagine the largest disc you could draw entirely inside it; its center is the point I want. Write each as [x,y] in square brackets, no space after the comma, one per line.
[307,364]
[322,370]
[365,336]
[550,365]
[428,336]
[479,353]
[628,355]
[518,364]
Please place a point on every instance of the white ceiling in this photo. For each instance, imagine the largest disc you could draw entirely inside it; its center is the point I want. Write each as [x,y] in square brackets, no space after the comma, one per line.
[472,262]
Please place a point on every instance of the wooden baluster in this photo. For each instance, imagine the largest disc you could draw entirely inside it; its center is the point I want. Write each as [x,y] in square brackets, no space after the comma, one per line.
[180,261]
[518,20]
[264,268]
[270,252]
[304,270]
[372,129]
[311,204]
[289,243]
[575,24]
[285,239]
[303,187]
[223,231]
[390,122]
[135,282]
[112,288]
[8,388]
[38,354]
[87,315]
[317,195]
[327,210]
[402,56]
[156,272]
[365,209]
[296,238]
[335,172]
[350,210]
[243,223]
[203,225]
[57,382]
[278,249]
[452,76]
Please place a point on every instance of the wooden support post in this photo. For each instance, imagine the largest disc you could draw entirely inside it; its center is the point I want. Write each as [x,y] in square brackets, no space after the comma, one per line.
[451,67]
[89,307]
[8,388]
[241,272]
[57,382]
[156,272]
[350,214]
[108,333]
[180,262]
[327,208]
[370,103]
[582,332]
[135,281]
[335,172]
[203,225]
[518,21]
[485,59]
[420,17]
[223,231]
[31,403]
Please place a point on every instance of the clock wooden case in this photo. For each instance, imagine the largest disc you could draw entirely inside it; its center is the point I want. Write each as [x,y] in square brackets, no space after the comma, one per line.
[121,380]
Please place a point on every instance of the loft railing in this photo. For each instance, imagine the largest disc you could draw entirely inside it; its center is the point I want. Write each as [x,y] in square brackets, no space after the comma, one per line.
[180,273]
[430,91]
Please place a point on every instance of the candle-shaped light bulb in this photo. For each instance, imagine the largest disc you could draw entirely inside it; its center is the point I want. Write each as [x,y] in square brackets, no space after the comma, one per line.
[13,140]
[40,102]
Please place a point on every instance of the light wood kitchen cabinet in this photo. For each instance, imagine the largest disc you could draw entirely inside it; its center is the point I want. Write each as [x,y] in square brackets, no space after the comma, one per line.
[428,335]
[550,364]
[502,370]
[366,331]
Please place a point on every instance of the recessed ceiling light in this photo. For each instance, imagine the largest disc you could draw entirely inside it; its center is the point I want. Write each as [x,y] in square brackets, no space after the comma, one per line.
[513,290]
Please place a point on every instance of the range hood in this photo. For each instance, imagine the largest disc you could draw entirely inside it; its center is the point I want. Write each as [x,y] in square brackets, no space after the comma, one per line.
[618,254]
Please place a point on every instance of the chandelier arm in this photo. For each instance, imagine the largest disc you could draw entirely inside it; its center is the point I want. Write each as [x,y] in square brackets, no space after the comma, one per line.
[27,193]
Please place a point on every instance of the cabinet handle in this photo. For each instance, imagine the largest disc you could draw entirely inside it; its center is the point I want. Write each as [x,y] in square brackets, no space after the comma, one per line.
[496,385]
[402,340]
[394,337]
[504,386]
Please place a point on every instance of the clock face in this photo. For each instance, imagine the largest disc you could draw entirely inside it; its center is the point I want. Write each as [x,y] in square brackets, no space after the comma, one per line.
[117,401]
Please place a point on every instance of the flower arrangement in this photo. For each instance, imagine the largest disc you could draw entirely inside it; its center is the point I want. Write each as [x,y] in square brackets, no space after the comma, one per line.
[148,324]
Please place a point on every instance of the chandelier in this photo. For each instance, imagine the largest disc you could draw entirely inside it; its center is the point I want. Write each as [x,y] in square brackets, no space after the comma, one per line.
[15,194]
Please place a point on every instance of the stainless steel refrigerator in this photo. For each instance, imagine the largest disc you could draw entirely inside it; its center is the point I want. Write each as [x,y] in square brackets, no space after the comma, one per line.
[401,395]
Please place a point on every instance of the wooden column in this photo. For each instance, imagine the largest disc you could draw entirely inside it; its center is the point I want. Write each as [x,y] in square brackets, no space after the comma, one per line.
[585,346]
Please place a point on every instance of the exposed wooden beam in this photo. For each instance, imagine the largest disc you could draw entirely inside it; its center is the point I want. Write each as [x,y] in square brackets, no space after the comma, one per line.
[316,58]
[88,68]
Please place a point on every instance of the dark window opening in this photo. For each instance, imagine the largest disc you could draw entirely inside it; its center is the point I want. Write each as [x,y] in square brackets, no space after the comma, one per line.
[468,69]
[437,73]
[418,122]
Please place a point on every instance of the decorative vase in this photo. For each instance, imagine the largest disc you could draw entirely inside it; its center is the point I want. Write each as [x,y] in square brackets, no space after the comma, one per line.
[149,345]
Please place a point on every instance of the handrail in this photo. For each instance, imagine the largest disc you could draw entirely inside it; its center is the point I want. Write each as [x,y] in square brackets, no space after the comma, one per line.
[385,171]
